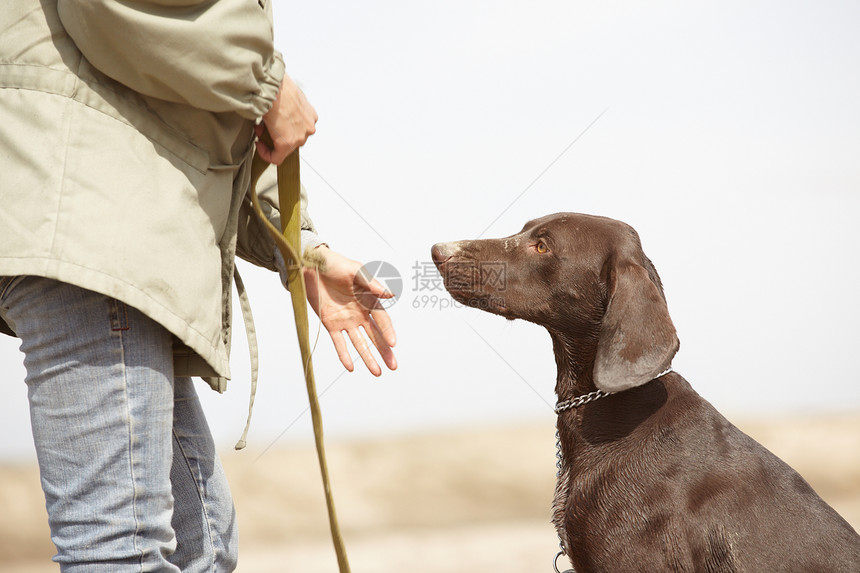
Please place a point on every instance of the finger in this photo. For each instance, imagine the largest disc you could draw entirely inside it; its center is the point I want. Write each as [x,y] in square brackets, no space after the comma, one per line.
[381,344]
[281,151]
[264,152]
[342,350]
[364,351]
[384,325]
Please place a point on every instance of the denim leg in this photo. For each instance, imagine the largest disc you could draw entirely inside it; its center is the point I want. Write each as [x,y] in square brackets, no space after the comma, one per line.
[204,518]
[100,383]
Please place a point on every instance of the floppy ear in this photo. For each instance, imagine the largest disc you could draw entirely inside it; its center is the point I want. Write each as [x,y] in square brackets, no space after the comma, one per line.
[637,338]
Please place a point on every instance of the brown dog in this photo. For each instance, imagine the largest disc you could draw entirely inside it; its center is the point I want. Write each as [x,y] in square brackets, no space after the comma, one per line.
[652,478]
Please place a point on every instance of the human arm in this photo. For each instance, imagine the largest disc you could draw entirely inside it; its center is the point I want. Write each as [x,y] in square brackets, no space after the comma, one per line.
[344,297]
[213,55]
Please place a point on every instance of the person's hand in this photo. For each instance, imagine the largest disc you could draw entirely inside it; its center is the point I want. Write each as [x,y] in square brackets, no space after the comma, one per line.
[290,122]
[347,300]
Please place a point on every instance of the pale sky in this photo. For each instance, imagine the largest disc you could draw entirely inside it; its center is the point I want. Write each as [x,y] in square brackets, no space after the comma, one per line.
[726,133]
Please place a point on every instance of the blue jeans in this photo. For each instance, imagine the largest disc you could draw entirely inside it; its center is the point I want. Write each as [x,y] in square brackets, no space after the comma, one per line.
[131,478]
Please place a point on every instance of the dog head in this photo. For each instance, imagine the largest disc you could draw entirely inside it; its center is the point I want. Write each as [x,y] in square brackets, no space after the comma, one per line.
[584,278]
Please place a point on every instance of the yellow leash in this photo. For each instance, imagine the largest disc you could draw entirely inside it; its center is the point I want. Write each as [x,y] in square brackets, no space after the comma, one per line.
[289,243]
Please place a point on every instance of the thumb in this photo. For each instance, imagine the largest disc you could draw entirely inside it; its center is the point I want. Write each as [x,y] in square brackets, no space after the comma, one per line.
[365,282]
[368,292]
[379,290]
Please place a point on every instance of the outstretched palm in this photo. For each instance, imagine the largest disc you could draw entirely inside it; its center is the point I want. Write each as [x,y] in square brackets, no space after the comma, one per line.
[348,301]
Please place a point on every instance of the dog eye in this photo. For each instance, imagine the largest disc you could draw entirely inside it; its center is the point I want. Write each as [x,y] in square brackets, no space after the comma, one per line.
[541,247]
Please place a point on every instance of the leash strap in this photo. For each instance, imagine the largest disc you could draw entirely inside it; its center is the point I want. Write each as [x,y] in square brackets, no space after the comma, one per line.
[289,243]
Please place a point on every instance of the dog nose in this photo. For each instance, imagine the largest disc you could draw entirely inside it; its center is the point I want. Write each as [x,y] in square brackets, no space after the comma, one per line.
[441,252]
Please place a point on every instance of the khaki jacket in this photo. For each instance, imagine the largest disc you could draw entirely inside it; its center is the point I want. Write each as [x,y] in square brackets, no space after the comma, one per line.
[126,132]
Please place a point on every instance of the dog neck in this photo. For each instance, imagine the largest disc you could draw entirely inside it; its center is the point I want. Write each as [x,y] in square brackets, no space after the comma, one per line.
[574,359]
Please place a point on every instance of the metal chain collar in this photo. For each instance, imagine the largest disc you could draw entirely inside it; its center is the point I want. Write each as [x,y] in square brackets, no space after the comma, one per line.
[592,396]
[580,401]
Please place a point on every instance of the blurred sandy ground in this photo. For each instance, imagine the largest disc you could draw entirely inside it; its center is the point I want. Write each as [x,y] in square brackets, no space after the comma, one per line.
[456,502]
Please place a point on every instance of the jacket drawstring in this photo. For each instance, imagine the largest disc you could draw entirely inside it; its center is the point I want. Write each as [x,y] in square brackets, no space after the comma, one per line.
[251,333]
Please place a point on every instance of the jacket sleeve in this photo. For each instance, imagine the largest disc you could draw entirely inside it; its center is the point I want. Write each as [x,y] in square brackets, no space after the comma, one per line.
[253,242]
[215,55]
